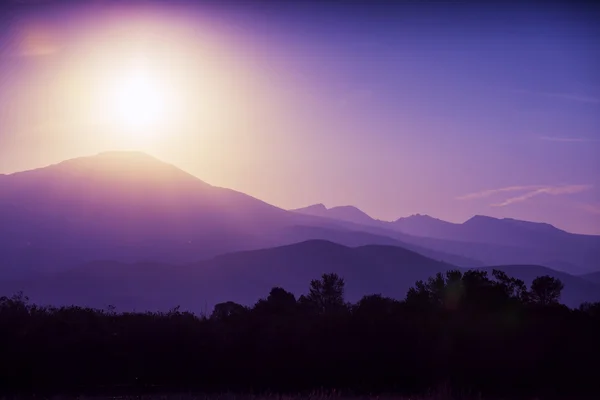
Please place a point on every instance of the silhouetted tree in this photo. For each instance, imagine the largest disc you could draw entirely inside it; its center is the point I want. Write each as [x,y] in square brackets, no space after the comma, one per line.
[325,295]
[546,290]
[470,290]
[441,290]
[227,309]
[419,296]
[513,288]
[466,330]
[592,309]
[279,302]
[374,305]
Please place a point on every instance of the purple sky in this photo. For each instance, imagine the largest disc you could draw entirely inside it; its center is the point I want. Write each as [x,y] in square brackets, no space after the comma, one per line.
[441,108]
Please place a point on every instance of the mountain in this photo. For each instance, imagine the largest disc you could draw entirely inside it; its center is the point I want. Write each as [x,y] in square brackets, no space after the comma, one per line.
[318,210]
[488,240]
[510,241]
[593,277]
[484,229]
[351,236]
[342,213]
[244,277]
[131,207]
[124,206]
[576,290]
[424,225]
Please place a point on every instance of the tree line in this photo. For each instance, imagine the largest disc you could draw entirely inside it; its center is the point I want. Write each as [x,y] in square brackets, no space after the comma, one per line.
[467,331]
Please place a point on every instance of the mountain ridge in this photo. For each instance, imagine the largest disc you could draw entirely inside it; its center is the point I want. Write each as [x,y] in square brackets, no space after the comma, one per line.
[132,207]
[246,276]
[498,241]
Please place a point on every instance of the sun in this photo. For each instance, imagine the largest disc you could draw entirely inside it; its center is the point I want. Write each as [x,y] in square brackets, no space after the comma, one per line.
[139,101]
[137,104]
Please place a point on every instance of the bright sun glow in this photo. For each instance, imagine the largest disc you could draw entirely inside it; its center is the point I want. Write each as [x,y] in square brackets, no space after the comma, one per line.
[139,101]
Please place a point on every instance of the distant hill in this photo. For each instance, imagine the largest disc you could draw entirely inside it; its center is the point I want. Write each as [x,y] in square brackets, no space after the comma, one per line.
[353,238]
[508,240]
[343,213]
[244,277]
[124,206]
[424,225]
[489,240]
[593,277]
[131,207]
[577,289]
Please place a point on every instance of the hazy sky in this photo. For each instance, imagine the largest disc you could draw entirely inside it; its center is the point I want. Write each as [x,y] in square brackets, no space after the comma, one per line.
[434,107]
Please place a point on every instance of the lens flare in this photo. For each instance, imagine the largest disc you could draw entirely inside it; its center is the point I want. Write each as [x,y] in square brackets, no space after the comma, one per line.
[139,101]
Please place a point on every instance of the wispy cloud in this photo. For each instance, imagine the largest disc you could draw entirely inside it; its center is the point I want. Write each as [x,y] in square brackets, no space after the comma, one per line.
[568,139]
[491,192]
[529,191]
[550,190]
[581,98]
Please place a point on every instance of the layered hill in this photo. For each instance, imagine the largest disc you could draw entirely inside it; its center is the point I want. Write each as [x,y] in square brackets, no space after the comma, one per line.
[342,213]
[244,277]
[593,277]
[123,206]
[491,241]
[131,207]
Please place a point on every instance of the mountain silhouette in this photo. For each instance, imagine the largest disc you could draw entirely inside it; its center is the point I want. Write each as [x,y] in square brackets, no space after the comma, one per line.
[577,289]
[131,207]
[126,206]
[352,236]
[343,213]
[488,240]
[593,277]
[244,277]
[424,225]
[484,229]
[505,241]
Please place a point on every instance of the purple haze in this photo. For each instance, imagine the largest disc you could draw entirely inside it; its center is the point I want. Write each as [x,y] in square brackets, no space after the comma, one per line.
[448,109]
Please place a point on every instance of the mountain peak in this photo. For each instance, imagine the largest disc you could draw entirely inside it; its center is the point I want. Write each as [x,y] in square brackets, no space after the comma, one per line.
[349,209]
[530,225]
[344,213]
[314,207]
[480,218]
[535,226]
[418,217]
[127,170]
[125,162]
[353,208]
[121,157]
[351,213]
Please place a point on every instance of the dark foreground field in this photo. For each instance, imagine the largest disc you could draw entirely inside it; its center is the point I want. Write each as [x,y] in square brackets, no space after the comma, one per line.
[434,395]
[475,335]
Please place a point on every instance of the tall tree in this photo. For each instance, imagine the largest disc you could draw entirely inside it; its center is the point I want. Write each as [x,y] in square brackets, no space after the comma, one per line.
[546,290]
[227,309]
[513,288]
[325,294]
[279,301]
